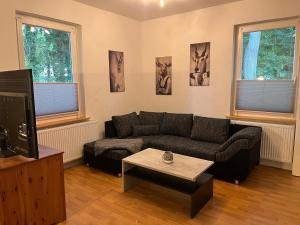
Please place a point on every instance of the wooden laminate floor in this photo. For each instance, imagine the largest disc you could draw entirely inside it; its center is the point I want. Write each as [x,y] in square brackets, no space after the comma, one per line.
[268,196]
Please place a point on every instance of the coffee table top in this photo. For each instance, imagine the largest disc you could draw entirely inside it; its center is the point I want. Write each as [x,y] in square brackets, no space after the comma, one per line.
[184,167]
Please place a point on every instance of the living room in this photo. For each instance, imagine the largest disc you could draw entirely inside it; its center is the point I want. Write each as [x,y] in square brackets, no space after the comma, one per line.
[144,40]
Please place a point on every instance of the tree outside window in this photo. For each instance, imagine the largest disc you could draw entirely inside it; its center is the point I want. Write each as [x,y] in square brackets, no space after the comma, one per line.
[269,54]
[48,53]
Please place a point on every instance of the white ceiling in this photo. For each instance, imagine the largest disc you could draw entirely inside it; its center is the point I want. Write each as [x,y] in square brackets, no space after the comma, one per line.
[149,9]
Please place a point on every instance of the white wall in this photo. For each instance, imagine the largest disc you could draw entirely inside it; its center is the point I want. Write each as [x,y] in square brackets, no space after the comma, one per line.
[101,31]
[172,36]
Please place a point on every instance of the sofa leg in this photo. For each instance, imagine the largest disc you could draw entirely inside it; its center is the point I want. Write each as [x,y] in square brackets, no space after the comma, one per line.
[237,182]
[119,175]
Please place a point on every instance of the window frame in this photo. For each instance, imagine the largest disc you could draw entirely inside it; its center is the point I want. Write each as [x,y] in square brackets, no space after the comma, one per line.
[61,26]
[238,59]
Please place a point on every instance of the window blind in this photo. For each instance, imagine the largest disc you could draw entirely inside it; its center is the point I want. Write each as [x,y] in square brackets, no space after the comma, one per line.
[55,98]
[266,95]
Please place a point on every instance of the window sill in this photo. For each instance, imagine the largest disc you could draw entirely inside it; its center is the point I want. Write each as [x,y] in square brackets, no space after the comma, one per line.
[277,120]
[50,123]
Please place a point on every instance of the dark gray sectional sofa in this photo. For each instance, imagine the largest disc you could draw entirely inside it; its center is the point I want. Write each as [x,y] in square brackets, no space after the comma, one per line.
[235,149]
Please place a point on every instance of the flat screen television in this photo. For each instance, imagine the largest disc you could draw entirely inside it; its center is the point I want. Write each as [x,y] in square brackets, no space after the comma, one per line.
[17,115]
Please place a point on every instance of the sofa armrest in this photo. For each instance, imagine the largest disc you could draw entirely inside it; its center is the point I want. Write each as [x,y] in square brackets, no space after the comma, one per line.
[244,139]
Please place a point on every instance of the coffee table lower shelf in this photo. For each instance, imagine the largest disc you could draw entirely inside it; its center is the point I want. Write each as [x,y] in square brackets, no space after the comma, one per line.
[198,192]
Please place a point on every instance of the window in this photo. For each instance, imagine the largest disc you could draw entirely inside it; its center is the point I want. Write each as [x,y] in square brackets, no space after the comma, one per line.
[265,77]
[50,50]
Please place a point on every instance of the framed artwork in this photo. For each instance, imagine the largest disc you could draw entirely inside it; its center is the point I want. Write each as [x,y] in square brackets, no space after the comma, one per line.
[163,75]
[116,71]
[200,64]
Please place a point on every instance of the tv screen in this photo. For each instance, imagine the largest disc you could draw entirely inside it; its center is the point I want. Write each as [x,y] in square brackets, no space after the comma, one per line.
[17,114]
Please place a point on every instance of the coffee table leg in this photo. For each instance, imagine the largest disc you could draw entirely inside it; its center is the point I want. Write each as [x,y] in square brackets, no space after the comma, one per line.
[127,180]
[201,197]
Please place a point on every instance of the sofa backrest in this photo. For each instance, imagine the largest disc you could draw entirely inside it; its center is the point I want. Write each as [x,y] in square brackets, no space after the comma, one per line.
[110,130]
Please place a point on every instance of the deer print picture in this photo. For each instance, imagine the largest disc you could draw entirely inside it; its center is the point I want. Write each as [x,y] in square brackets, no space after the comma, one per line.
[164,75]
[199,64]
[116,71]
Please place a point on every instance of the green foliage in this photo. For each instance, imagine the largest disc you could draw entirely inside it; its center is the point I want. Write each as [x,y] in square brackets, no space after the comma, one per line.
[48,54]
[276,53]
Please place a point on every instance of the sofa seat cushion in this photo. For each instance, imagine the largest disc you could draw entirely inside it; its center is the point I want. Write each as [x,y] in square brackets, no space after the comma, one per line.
[119,154]
[147,140]
[210,129]
[186,146]
[115,154]
[177,124]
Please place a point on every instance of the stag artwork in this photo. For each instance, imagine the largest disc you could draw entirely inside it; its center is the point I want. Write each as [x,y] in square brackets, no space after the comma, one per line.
[164,75]
[116,71]
[199,66]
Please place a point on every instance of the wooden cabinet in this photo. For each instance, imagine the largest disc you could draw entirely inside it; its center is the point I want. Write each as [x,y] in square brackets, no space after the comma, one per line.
[32,190]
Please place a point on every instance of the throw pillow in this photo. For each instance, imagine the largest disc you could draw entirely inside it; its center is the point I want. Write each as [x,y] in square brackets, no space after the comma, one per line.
[124,124]
[210,129]
[177,124]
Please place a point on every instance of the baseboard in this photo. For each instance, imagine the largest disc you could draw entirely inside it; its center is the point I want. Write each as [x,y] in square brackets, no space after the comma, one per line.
[73,163]
[280,165]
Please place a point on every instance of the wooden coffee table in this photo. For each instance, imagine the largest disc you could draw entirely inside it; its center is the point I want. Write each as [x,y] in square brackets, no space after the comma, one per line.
[186,175]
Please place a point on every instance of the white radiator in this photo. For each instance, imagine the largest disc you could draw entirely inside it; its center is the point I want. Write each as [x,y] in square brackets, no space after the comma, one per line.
[69,138]
[277,141]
